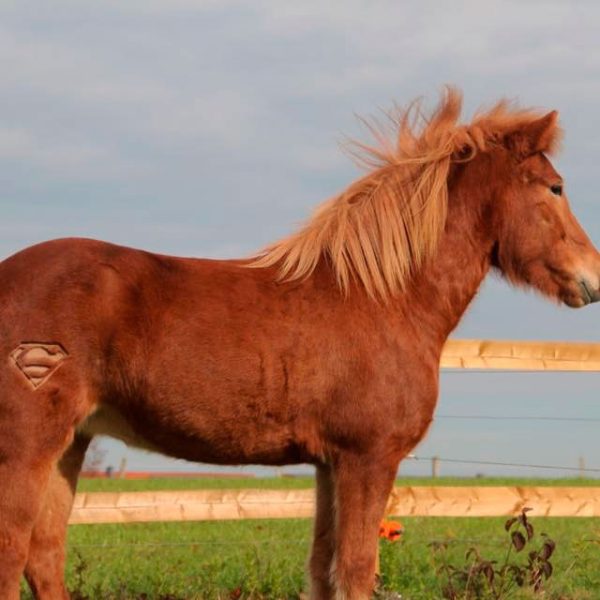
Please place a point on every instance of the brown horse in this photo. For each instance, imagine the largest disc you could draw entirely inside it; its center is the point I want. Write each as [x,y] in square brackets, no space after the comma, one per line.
[324,349]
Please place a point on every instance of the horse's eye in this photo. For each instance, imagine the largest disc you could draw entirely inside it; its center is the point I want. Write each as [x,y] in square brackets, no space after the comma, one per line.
[556,190]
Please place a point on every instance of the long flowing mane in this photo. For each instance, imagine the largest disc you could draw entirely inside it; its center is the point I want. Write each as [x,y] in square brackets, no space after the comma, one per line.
[381,229]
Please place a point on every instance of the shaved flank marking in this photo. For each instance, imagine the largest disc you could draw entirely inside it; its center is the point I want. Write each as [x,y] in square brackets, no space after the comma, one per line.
[37,361]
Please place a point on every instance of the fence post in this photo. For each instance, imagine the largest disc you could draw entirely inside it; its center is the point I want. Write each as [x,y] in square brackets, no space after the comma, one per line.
[122,468]
[435,467]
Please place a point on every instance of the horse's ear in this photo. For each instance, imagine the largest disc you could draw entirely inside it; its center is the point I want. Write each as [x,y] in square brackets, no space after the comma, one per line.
[540,135]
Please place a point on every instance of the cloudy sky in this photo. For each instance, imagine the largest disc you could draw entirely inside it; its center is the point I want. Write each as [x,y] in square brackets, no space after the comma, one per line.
[210,128]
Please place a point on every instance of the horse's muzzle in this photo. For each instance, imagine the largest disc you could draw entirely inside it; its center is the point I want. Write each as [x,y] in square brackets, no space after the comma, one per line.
[588,293]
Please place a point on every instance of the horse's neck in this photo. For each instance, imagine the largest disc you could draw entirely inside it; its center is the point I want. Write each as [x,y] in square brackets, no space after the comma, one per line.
[444,289]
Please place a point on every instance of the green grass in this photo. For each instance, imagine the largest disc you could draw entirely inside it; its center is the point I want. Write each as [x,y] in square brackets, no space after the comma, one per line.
[114,485]
[200,483]
[266,559]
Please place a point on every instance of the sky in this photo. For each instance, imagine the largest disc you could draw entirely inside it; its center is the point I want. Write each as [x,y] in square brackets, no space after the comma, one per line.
[210,128]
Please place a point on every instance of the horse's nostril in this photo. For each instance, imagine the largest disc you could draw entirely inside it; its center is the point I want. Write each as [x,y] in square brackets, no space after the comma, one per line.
[585,291]
[588,293]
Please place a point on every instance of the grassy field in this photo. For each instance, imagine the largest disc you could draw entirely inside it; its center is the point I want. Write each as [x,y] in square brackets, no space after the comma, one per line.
[265,559]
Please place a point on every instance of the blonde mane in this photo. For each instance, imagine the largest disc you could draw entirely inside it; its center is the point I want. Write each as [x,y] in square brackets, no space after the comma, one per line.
[382,229]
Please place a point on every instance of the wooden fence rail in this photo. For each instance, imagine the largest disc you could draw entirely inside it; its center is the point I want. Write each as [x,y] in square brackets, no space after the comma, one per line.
[431,501]
[508,355]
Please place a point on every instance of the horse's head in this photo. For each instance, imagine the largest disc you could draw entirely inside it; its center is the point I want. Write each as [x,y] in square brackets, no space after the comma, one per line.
[388,224]
[538,240]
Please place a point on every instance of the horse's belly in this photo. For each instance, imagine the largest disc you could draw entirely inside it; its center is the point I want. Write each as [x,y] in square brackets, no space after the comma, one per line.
[217,444]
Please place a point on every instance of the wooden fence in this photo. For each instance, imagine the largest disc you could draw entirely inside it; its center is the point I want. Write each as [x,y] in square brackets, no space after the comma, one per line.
[130,507]
[437,501]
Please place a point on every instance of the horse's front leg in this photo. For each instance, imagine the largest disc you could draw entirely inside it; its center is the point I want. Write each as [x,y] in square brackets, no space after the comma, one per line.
[46,561]
[321,586]
[362,487]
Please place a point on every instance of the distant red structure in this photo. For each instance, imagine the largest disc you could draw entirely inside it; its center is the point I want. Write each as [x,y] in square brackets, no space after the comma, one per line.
[163,475]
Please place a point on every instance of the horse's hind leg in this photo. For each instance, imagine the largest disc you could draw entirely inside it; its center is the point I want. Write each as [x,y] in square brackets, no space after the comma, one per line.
[46,561]
[18,509]
[36,426]
[321,587]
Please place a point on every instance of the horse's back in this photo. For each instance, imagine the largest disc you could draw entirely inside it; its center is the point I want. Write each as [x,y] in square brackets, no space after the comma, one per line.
[55,288]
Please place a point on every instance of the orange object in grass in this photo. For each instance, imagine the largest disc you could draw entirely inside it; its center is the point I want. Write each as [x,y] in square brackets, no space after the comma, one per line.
[391,530]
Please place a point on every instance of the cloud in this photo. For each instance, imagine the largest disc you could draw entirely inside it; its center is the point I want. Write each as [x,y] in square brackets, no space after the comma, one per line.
[137,82]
